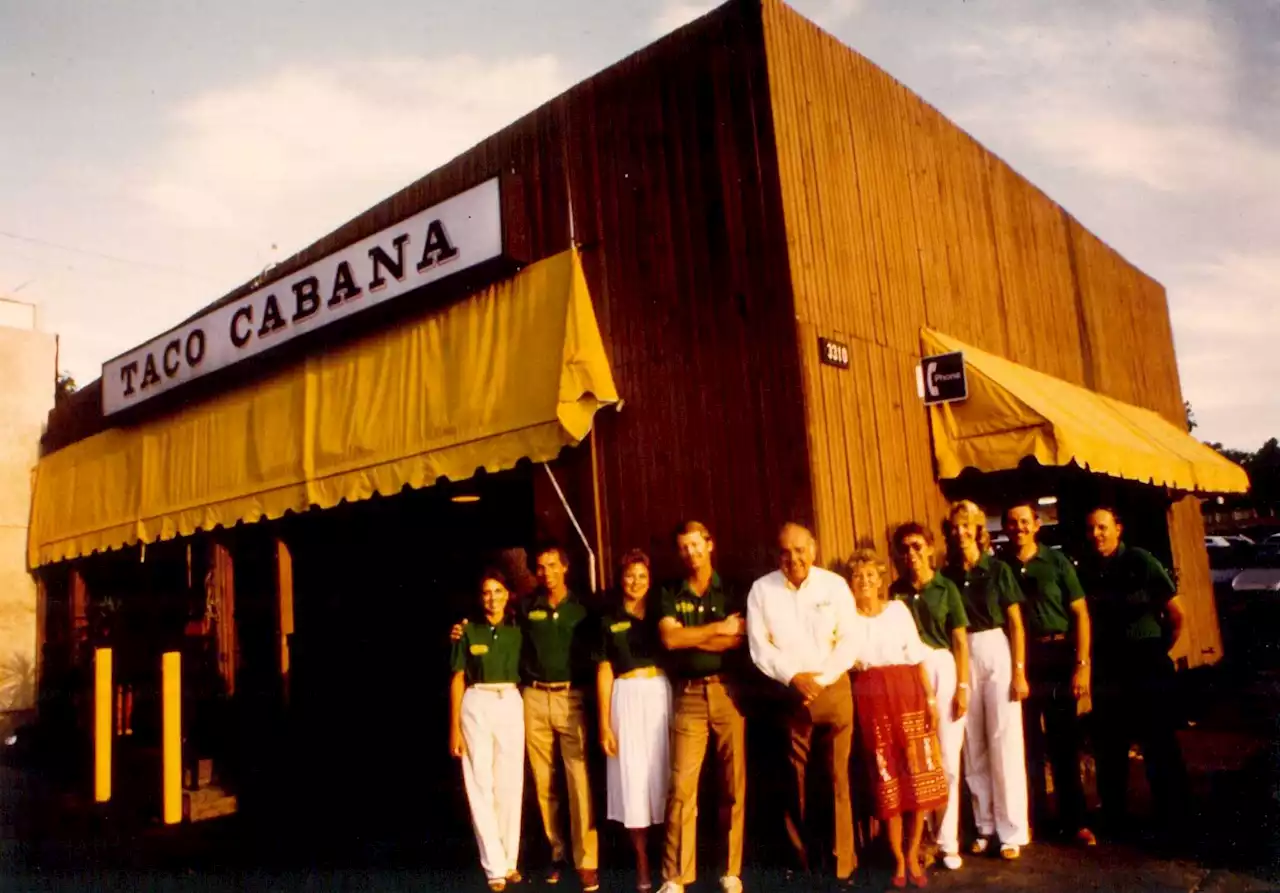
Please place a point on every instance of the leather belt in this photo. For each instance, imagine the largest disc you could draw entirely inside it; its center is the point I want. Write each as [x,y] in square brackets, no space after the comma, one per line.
[642,673]
[551,686]
[1051,637]
[500,687]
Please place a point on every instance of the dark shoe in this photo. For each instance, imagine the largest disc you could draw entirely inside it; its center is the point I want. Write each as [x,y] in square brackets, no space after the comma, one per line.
[590,879]
[554,873]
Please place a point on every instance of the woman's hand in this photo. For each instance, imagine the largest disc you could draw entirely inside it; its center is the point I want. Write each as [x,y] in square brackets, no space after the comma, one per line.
[932,714]
[455,633]
[960,704]
[457,746]
[608,743]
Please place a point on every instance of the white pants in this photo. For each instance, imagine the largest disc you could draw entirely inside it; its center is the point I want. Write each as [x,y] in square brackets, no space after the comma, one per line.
[493,773]
[941,665]
[995,760]
[637,779]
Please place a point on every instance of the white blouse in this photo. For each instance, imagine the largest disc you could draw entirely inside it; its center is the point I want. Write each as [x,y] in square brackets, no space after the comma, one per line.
[890,639]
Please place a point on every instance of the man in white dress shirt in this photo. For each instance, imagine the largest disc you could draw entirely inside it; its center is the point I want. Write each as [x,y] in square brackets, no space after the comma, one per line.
[802,629]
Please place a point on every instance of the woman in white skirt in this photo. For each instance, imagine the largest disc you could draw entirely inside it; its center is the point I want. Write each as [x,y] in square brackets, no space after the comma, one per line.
[486,729]
[635,712]
[995,760]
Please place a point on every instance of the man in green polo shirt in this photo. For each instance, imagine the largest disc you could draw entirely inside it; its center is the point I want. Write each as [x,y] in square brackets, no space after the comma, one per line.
[701,625]
[1139,619]
[556,667]
[1058,673]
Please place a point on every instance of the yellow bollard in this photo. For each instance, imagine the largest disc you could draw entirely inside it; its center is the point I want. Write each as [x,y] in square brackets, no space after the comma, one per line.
[102,703]
[171,682]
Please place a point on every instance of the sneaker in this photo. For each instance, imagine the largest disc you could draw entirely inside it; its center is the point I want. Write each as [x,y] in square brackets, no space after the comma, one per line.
[554,873]
[1085,837]
[730,884]
[980,846]
[497,885]
[514,877]
[590,879]
[671,887]
[952,861]
[1009,852]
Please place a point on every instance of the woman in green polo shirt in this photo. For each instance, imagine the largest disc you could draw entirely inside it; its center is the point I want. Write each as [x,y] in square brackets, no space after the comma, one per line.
[995,761]
[486,729]
[635,712]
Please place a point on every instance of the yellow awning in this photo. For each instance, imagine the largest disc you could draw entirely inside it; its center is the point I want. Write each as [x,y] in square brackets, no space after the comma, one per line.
[517,370]
[1014,413]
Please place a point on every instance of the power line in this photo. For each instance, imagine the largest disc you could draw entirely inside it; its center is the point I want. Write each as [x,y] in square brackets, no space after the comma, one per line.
[164,268]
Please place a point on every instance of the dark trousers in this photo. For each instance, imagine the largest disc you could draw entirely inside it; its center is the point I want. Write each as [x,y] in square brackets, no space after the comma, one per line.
[834,710]
[1134,701]
[1052,729]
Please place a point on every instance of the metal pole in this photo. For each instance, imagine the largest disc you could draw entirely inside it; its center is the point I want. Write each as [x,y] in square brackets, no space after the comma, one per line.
[591,555]
[102,701]
[171,683]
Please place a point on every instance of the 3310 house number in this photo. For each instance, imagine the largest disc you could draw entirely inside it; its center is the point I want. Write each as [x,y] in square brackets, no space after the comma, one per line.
[833,353]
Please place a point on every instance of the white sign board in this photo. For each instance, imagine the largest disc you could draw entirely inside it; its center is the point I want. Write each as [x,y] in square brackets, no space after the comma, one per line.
[458,233]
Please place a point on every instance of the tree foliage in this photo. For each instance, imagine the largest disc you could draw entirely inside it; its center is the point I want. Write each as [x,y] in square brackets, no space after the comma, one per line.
[1263,468]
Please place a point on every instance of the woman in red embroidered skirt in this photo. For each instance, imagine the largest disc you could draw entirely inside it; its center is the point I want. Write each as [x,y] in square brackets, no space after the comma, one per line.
[897,718]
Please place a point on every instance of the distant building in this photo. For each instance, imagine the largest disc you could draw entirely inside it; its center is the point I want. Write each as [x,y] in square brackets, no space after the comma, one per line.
[28,369]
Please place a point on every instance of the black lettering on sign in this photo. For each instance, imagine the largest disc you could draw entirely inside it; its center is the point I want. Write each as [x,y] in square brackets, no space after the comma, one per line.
[127,372]
[195,347]
[174,347]
[240,337]
[344,285]
[382,260]
[272,321]
[306,298]
[438,249]
[149,374]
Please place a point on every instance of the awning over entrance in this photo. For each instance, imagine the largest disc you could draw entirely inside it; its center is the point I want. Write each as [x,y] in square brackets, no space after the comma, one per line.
[517,370]
[1014,413]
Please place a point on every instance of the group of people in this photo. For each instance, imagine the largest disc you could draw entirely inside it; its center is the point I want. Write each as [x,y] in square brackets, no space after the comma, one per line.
[966,656]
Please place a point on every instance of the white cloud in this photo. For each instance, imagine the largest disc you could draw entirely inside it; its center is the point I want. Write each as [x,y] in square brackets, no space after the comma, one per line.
[677,13]
[293,156]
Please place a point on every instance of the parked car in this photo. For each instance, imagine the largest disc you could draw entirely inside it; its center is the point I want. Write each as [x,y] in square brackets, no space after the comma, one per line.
[1262,573]
[1226,560]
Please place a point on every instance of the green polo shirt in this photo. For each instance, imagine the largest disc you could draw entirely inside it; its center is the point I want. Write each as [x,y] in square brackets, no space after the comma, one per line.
[720,600]
[557,641]
[1127,593]
[628,643]
[986,589]
[1050,585]
[937,608]
[488,653]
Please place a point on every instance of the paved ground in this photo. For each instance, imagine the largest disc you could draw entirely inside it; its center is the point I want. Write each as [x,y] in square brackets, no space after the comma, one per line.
[50,839]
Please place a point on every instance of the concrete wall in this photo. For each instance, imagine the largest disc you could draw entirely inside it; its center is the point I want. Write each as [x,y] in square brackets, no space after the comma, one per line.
[27,371]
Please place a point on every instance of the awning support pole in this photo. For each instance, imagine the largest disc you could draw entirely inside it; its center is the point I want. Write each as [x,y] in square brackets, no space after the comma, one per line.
[586,544]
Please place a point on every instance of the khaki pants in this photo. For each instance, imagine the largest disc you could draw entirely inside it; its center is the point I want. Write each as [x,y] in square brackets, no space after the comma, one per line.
[833,709]
[705,709]
[550,718]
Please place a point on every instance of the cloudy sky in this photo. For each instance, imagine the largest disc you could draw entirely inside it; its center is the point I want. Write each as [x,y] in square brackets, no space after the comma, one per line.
[155,155]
